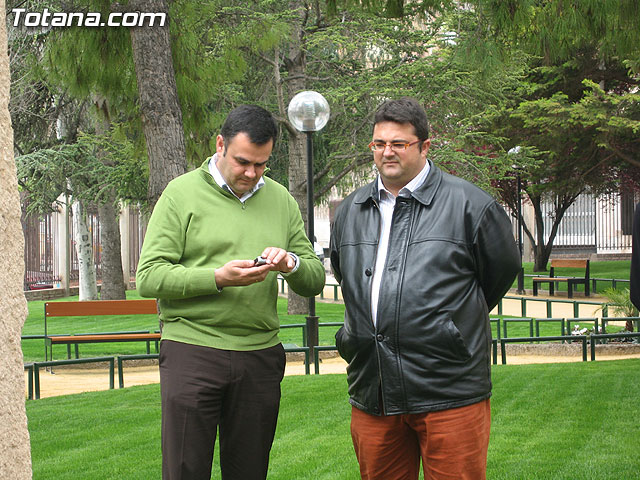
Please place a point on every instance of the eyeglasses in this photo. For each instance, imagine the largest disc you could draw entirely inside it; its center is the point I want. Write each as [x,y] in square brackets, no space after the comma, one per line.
[395,146]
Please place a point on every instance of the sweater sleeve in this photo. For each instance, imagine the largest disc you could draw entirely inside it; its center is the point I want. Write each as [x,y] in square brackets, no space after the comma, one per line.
[309,279]
[160,275]
[334,243]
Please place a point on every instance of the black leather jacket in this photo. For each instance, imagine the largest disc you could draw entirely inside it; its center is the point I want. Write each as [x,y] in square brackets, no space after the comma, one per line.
[452,256]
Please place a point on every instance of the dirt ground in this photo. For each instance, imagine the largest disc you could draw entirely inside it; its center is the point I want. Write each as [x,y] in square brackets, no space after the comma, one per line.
[66,380]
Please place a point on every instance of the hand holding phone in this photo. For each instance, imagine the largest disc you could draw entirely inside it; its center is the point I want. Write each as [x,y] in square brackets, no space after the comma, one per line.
[260,261]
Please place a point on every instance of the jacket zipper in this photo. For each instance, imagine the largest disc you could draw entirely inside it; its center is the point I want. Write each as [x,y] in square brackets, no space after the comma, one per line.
[375,327]
[412,224]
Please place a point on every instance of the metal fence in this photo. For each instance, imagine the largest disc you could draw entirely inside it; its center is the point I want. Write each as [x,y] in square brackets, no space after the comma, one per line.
[578,226]
[592,224]
[614,223]
[40,235]
[44,246]
[601,224]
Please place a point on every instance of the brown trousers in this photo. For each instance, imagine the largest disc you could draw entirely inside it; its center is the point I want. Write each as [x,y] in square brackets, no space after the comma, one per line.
[204,389]
[452,443]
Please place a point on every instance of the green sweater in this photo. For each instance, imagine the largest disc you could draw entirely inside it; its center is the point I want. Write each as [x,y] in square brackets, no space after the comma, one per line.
[196,227]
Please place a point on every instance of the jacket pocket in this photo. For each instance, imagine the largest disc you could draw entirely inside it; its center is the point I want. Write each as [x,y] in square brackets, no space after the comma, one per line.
[459,347]
[341,345]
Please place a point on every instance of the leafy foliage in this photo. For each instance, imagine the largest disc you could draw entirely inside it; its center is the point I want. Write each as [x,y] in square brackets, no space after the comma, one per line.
[574,124]
[557,30]
[358,59]
[567,101]
[619,302]
[74,169]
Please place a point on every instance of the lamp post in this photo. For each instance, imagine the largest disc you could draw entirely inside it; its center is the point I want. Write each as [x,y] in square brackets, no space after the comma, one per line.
[309,112]
[517,168]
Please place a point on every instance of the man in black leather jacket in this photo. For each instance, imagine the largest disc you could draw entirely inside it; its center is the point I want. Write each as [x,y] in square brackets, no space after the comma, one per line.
[422,257]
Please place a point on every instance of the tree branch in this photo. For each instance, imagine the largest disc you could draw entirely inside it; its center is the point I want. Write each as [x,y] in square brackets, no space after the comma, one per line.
[358,161]
[277,80]
[307,77]
[624,156]
[325,170]
[268,60]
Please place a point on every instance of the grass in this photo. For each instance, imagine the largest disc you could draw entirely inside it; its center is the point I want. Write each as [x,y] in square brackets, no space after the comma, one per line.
[33,349]
[617,269]
[555,421]
[549,426]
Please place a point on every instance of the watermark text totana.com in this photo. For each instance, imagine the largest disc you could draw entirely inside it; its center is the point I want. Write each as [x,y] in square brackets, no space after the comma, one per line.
[46,18]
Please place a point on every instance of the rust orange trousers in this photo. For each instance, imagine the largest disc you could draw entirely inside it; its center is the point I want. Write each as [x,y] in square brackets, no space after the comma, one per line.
[451,443]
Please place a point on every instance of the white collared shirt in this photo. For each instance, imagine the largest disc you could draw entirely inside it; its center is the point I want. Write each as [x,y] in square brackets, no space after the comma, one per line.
[219,179]
[217,176]
[387,205]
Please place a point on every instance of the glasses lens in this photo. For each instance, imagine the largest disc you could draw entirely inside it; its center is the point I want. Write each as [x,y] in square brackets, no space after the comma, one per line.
[380,146]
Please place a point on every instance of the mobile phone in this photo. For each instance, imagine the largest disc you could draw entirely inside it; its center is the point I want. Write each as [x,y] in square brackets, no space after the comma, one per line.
[260,261]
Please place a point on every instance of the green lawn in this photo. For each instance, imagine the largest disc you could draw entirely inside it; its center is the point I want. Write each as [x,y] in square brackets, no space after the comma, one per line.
[556,421]
[33,349]
[618,269]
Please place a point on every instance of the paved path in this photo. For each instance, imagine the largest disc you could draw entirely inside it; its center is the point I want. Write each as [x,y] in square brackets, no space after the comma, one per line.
[74,380]
[535,306]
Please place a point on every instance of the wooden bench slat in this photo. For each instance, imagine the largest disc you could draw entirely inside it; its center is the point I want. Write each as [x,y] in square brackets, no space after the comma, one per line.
[568,263]
[125,337]
[100,307]
[96,308]
[552,279]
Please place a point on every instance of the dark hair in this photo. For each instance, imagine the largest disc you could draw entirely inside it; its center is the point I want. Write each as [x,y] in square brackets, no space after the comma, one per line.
[253,120]
[404,110]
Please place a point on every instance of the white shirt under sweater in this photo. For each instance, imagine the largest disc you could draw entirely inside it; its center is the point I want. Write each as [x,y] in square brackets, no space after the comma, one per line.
[222,183]
[387,204]
[217,176]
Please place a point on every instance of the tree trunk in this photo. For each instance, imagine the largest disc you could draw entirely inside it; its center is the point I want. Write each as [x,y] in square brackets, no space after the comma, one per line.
[542,250]
[113,287]
[159,106]
[84,250]
[14,435]
[541,257]
[295,64]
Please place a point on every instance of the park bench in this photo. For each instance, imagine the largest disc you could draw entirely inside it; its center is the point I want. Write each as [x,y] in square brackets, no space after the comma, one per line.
[97,308]
[571,281]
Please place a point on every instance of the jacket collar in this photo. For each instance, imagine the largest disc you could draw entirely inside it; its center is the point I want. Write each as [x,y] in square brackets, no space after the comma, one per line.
[424,194]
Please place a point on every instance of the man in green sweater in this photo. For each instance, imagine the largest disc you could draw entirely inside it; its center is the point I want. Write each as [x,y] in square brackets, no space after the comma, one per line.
[221,361]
